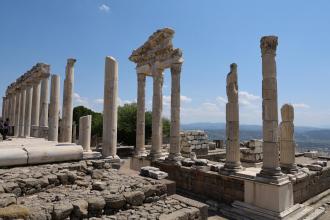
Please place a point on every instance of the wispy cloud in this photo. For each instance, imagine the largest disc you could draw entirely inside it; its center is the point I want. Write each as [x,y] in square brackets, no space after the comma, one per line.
[300,105]
[79,100]
[104,8]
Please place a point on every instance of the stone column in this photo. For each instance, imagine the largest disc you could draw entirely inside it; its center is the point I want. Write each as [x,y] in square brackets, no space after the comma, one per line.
[85,124]
[28,109]
[35,109]
[43,116]
[286,139]
[109,137]
[271,167]
[3,107]
[175,113]
[13,109]
[54,108]
[17,113]
[67,109]
[157,109]
[22,112]
[140,116]
[233,163]
[74,132]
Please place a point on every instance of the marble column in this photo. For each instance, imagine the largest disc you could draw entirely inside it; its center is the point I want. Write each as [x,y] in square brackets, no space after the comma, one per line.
[17,113]
[35,109]
[13,109]
[157,109]
[67,109]
[43,115]
[3,107]
[85,124]
[286,139]
[271,167]
[54,108]
[28,110]
[74,132]
[140,115]
[175,112]
[233,163]
[8,107]
[22,112]
[109,137]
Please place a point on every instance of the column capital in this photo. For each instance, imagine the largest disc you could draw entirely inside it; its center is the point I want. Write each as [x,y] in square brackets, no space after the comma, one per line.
[176,68]
[71,62]
[141,75]
[268,44]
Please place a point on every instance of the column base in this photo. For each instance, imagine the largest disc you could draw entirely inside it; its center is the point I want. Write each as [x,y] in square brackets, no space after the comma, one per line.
[34,131]
[91,155]
[113,159]
[270,175]
[231,168]
[43,132]
[155,156]
[289,168]
[142,153]
[174,157]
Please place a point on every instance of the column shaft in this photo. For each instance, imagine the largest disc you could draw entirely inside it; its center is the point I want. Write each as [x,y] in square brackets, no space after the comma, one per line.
[35,110]
[17,113]
[43,116]
[54,108]
[140,116]
[3,107]
[22,113]
[28,110]
[109,145]
[13,109]
[85,124]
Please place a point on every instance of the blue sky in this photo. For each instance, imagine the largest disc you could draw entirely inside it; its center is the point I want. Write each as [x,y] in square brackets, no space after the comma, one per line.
[212,34]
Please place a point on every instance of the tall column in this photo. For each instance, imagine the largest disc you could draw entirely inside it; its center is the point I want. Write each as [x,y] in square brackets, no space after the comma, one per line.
[109,145]
[3,108]
[54,108]
[22,112]
[28,109]
[17,113]
[271,167]
[286,139]
[140,116]
[35,109]
[233,163]
[9,107]
[43,116]
[67,109]
[13,109]
[157,109]
[74,132]
[85,124]
[175,112]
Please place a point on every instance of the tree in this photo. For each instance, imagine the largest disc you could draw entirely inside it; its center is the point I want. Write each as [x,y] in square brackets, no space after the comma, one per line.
[97,119]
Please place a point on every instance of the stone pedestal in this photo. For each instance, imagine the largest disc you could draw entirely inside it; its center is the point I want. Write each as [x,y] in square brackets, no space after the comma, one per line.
[140,116]
[22,113]
[35,110]
[109,145]
[54,108]
[85,124]
[43,116]
[67,110]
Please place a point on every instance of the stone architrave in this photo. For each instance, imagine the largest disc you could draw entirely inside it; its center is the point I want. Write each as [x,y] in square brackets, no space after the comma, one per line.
[43,116]
[85,124]
[140,115]
[175,151]
[286,139]
[17,113]
[28,109]
[233,163]
[22,112]
[67,110]
[157,109]
[54,108]
[35,109]
[109,142]
[271,163]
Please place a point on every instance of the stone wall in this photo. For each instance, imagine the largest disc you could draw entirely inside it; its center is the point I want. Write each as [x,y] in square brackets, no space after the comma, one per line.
[194,141]
[207,184]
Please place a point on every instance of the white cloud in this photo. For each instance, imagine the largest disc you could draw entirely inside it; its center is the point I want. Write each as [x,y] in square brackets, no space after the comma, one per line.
[186,99]
[104,8]
[183,99]
[221,100]
[78,100]
[249,100]
[99,101]
[300,105]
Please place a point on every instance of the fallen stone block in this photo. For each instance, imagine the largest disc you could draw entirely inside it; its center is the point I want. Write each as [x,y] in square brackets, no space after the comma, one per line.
[145,171]
[157,174]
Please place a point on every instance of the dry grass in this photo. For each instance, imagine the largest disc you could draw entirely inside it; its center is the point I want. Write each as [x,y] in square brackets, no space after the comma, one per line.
[14,212]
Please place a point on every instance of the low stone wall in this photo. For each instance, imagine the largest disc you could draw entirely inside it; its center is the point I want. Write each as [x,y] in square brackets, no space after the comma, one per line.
[207,184]
[314,183]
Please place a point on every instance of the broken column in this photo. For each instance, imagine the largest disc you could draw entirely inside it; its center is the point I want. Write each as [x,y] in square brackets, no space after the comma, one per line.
[109,142]
[175,112]
[54,108]
[286,139]
[22,112]
[43,116]
[35,109]
[140,116]
[271,166]
[85,124]
[233,163]
[157,109]
[67,109]
[17,113]
[28,109]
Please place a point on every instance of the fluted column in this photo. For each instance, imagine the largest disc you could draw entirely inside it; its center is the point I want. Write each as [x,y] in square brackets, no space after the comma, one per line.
[233,163]
[109,143]
[67,109]
[54,108]
[22,112]
[17,112]
[271,167]
[85,124]
[35,109]
[286,139]
[28,110]
[43,115]
[140,115]
[13,109]
[3,108]
[157,109]
[175,112]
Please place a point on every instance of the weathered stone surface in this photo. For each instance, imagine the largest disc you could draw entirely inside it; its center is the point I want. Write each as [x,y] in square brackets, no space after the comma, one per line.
[62,210]
[7,199]
[134,198]
[14,212]
[80,209]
